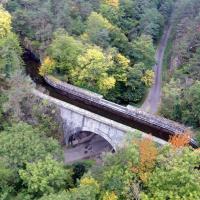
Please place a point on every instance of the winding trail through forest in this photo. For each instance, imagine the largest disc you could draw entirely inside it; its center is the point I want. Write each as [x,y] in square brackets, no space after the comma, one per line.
[153,99]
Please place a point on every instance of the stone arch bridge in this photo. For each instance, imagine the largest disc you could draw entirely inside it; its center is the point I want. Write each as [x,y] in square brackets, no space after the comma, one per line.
[85,111]
[77,120]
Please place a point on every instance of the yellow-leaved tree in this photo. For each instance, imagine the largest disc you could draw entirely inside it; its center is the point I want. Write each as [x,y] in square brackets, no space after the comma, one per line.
[5,22]
[92,71]
[121,64]
[113,3]
[148,78]
[110,196]
[148,155]
[122,60]
[89,181]
[47,66]
[106,83]
[10,50]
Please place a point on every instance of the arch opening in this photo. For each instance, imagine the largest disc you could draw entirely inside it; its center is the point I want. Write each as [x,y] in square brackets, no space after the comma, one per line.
[84,145]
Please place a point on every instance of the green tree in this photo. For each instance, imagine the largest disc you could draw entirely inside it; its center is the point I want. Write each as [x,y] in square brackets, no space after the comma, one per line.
[175,177]
[151,23]
[64,51]
[115,173]
[119,40]
[21,143]
[45,177]
[191,105]
[129,17]
[98,29]
[93,71]
[58,196]
[192,68]
[88,189]
[3,99]
[171,101]
[78,27]
[166,7]
[19,88]
[143,51]
[135,86]
[6,179]
[10,54]
[110,13]
[38,19]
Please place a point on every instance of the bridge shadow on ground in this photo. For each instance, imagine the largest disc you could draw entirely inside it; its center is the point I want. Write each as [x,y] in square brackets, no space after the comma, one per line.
[86,145]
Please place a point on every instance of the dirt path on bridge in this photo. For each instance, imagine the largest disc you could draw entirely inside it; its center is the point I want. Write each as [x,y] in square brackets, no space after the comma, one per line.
[153,99]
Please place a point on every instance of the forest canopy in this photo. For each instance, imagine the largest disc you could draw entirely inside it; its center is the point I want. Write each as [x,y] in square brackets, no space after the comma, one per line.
[181,93]
[106,46]
[71,30]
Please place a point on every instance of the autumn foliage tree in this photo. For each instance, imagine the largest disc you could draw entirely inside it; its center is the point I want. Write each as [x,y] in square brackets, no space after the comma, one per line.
[5,22]
[110,196]
[180,140]
[92,72]
[47,66]
[113,3]
[10,50]
[148,78]
[175,176]
[147,158]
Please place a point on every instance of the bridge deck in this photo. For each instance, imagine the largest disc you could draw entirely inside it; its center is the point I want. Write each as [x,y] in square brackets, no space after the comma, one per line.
[133,117]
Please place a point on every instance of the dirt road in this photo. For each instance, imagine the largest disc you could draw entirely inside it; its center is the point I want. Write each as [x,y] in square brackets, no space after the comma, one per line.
[153,99]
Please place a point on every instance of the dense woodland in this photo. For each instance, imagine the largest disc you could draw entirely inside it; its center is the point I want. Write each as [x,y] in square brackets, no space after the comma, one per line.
[103,46]
[181,92]
[108,47]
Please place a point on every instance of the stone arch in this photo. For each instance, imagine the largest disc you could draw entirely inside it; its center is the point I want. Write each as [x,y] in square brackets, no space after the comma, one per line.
[91,130]
[100,133]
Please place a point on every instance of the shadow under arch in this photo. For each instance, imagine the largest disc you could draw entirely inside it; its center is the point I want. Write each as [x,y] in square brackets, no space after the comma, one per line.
[87,144]
[92,130]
